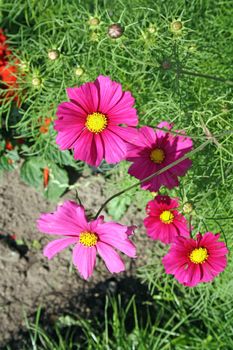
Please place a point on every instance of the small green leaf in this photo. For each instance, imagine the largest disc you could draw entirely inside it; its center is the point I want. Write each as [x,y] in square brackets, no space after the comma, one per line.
[118,206]
[61,157]
[58,182]
[5,163]
[13,155]
[31,173]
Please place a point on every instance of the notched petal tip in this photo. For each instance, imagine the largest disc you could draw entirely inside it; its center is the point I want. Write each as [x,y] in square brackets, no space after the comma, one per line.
[130,230]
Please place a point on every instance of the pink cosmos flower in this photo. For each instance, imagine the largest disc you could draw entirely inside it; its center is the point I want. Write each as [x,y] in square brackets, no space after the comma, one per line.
[193,261]
[89,237]
[164,222]
[152,151]
[89,122]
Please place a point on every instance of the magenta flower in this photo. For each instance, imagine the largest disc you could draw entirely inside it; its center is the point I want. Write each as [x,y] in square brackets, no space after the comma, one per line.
[152,151]
[92,121]
[195,261]
[89,237]
[164,222]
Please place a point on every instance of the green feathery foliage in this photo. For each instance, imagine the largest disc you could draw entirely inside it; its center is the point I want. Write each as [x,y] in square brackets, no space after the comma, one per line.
[176,59]
[162,56]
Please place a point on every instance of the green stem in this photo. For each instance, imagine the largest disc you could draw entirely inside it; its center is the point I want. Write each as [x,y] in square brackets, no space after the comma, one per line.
[190,226]
[207,76]
[222,231]
[229,218]
[161,171]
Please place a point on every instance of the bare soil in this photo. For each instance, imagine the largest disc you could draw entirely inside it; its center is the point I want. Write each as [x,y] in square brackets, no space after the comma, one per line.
[29,280]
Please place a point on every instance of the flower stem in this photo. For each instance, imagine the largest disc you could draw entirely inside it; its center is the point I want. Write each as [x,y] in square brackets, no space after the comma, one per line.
[207,76]
[190,226]
[178,161]
[217,218]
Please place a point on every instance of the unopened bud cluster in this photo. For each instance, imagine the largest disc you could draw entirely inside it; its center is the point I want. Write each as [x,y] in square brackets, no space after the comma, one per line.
[115,30]
[79,71]
[166,64]
[36,81]
[94,22]
[187,208]
[176,26]
[53,55]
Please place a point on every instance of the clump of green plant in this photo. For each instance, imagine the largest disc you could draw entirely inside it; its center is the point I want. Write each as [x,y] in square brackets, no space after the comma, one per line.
[170,62]
[169,322]
[165,56]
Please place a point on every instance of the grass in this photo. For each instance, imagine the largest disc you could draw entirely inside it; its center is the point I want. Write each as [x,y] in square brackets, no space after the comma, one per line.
[184,77]
[161,323]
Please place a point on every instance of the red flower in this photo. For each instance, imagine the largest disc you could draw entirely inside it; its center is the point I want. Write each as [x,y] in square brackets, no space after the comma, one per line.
[193,261]
[47,121]
[97,122]
[164,222]
[8,72]
[10,161]
[153,150]
[20,141]
[9,146]
[46,177]
[89,237]
[44,128]
[4,51]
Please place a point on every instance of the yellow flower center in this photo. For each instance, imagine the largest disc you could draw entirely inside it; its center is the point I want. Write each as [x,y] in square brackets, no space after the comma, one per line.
[167,217]
[96,122]
[198,255]
[157,155]
[88,239]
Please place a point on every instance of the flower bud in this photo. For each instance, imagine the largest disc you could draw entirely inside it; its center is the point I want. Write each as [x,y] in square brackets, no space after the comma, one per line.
[187,208]
[53,54]
[79,71]
[20,141]
[166,64]
[94,22]
[225,110]
[115,31]
[154,194]
[23,66]
[94,36]
[176,26]
[192,48]
[152,29]
[36,81]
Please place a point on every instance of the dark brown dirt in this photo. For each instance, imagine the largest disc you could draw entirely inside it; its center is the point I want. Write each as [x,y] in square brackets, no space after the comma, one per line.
[28,280]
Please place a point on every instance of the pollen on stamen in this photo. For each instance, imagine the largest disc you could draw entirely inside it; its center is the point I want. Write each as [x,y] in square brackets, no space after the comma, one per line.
[166,217]
[199,255]
[88,239]
[96,122]
[157,155]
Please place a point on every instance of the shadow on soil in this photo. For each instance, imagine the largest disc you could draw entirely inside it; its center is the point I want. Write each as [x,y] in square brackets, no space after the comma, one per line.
[91,305]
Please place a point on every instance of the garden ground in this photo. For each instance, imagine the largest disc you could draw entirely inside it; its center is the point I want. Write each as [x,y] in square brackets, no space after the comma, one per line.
[28,280]
[183,76]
